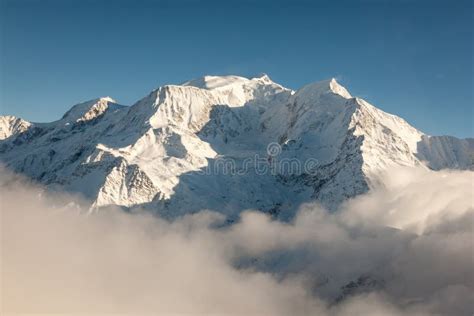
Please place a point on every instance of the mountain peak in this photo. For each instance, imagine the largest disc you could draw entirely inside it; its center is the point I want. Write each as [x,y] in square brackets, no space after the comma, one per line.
[106,99]
[88,110]
[216,82]
[12,125]
[263,77]
[325,86]
[209,82]
[338,89]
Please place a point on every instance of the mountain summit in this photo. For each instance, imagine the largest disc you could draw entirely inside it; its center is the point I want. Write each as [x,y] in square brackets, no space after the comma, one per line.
[164,152]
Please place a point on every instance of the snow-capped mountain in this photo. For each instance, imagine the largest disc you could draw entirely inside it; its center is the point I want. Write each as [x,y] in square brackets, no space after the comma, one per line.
[165,151]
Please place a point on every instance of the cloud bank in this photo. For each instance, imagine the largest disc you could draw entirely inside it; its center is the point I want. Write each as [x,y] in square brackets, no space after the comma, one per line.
[406,249]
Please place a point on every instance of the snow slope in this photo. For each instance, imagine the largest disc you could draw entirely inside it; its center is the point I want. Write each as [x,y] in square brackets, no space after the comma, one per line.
[12,126]
[167,151]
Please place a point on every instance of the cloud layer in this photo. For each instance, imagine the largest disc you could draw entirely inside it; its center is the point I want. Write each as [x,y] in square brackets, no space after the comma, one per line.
[404,249]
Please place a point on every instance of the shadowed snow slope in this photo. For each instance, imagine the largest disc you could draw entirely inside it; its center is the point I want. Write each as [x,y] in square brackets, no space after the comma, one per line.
[159,152]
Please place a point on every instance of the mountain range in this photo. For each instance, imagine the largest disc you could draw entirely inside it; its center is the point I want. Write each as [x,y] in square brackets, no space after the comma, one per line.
[169,151]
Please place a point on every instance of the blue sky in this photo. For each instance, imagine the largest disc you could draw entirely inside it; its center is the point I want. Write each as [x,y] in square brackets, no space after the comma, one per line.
[411,58]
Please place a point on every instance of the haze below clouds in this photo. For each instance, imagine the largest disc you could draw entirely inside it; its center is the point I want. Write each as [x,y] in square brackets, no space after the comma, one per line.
[408,246]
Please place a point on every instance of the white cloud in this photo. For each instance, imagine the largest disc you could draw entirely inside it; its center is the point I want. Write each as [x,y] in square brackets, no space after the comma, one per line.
[409,247]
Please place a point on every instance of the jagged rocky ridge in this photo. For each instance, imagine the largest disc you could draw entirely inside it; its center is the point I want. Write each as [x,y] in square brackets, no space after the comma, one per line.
[163,152]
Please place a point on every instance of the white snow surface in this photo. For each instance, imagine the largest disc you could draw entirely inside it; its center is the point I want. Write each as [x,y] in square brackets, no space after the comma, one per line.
[154,153]
[12,126]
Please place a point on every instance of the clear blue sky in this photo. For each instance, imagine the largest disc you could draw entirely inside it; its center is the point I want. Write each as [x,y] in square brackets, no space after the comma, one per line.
[411,58]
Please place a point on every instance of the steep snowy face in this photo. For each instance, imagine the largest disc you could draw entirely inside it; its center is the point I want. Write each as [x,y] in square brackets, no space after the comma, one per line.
[446,152]
[166,152]
[12,126]
[352,140]
[89,110]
